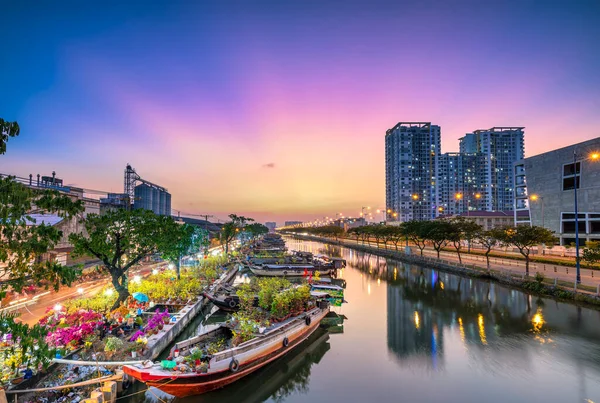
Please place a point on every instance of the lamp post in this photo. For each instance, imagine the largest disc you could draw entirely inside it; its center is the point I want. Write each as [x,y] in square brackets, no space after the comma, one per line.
[578,279]
[362,212]
[458,197]
[594,156]
[541,199]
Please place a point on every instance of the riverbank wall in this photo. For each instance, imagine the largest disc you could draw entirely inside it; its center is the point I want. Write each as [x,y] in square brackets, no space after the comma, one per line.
[547,287]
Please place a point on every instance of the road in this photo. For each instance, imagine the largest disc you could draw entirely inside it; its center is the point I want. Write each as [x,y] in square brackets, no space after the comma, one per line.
[31,314]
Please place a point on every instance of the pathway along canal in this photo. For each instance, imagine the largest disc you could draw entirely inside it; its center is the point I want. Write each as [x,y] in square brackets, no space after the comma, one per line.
[419,335]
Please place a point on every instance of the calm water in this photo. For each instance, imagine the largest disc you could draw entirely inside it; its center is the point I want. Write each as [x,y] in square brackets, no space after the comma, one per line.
[419,335]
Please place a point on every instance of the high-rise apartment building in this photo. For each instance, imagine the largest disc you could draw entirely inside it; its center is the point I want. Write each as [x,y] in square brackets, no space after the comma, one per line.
[412,152]
[460,183]
[499,148]
[422,183]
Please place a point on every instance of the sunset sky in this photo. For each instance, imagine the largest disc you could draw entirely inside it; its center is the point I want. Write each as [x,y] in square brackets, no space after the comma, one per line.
[278,110]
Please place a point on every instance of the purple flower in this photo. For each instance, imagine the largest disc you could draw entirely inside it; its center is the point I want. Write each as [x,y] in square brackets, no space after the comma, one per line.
[137,335]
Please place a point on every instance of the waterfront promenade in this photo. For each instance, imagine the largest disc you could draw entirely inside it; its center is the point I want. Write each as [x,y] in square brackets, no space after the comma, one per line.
[564,275]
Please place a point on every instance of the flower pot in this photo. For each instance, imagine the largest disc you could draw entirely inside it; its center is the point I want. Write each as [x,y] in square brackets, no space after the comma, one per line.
[160,326]
[133,354]
[166,320]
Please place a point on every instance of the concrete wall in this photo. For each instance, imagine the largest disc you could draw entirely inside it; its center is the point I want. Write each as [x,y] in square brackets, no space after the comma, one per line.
[544,176]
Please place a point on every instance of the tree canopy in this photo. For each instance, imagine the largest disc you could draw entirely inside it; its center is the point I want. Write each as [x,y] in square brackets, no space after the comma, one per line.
[524,238]
[23,239]
[182,240]
[122,238]
[232,228]
[7,129]
[255,230]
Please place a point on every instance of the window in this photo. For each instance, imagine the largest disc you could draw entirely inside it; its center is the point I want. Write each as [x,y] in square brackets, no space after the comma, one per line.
[571,176]
[569,227]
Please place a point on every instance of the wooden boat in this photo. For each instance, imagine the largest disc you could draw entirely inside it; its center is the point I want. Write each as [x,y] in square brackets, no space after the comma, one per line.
[335,293]
[274,377]
[234,363]
[226,302]
[230,302]
[290,270]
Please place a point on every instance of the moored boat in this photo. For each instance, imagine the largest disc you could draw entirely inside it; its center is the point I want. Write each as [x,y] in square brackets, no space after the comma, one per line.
[281,270]
[231,364]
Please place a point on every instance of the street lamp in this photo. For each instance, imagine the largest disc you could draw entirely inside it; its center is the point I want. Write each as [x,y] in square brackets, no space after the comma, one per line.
[362,212]
[594,156]
[541,199]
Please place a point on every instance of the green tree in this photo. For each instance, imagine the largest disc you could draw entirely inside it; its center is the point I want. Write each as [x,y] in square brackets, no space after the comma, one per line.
[355,233]
[468,228]
[182,240]
[121,238]
[396,234]
[255,230]
[438,232]
[488,239]
[7,129]
[231,229]
[591,252]
[462,228]
[416,232]
[524,238]
[23,240]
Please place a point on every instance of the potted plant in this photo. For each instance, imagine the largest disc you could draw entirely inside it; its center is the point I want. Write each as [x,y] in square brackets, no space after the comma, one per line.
[133,349]
[202,368]
[193,359]
[113,344]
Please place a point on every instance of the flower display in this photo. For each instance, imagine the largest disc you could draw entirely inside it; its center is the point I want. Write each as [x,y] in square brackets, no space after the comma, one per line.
[70,329]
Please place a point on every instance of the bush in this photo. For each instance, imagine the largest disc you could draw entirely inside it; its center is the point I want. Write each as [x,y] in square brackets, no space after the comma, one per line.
[268,288]
[539,277]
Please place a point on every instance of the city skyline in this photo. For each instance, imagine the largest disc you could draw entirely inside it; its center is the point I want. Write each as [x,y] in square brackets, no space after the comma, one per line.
[277,111]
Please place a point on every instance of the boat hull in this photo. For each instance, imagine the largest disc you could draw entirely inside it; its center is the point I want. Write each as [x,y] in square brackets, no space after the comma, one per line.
[289,272]
[195,384]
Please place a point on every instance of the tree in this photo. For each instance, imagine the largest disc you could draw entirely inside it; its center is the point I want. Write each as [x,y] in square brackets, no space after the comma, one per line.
[462,229]
[469,229]
[182,240]
[438,232]
[396,234]
[488,239]
[354,232]
[23,240]
[415,230]
[232,229]
[7,129]
[525,237]
[591,252]
[256,230]
[121,238]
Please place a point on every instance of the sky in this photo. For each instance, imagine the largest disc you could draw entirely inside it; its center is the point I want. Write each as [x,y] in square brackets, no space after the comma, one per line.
[277,110]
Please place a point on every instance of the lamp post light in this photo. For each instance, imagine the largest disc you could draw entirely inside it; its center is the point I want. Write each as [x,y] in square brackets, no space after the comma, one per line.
[458,197]
[541,199]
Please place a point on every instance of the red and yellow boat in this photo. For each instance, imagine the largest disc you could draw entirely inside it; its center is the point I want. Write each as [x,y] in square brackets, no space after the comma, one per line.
[229,365]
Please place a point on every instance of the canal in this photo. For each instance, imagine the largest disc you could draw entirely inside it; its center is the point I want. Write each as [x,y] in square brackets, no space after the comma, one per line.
[414,334]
